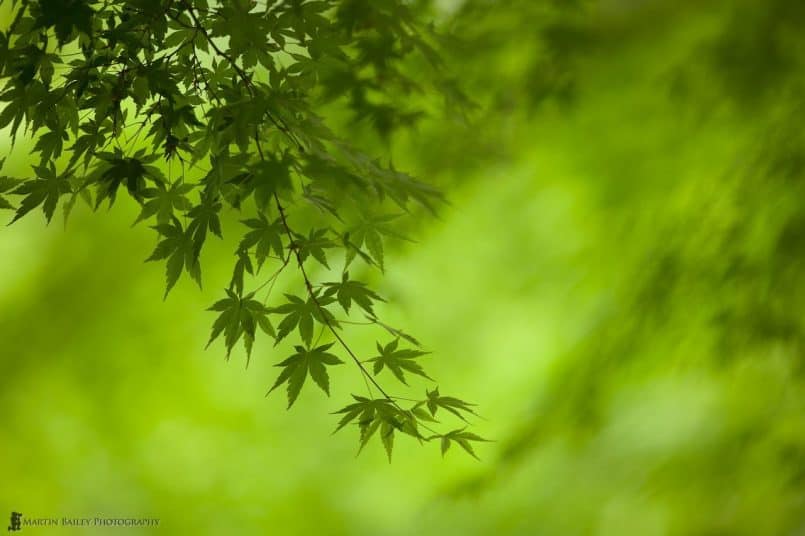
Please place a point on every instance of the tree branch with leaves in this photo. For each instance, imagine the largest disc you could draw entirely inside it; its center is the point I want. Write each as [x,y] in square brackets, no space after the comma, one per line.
[111,92]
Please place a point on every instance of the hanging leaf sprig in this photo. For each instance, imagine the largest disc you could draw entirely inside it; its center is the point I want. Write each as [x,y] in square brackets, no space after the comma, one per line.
[230,92]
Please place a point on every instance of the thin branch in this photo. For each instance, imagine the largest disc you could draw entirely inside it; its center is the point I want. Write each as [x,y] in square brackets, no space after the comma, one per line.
[280,124]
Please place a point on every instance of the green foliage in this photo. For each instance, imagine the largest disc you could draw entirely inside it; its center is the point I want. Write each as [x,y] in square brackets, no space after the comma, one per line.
[448,403]
[398,360]
[461,437]
[638,260]
[177,247]
[348,291]
[303,314]
[265,237]
[379,414]
[239,317]
[388,416]
[44,190]
[306,361]
[114,92]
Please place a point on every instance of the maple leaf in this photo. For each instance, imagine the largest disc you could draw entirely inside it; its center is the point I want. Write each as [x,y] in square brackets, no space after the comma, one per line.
[45,190]
[163,201]
[377,414]
[369,232]
[313,245]
[178,248]
[204,217]
[348,291]
[434,401]
[303,313]
[239,317]
[131,171]
[306,361]
[398,361]
[464,440]
[265,236]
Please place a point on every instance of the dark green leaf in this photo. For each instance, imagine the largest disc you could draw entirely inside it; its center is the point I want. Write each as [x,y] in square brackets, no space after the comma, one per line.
[398,361]
[348,291]
[296,368]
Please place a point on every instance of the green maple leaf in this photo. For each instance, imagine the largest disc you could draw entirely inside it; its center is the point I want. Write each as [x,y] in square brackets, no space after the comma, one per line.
[50,144]
[178,248]
[398,361]
[131,171]
[377,414]
[370,414]
[239,317]
[464,440]
[306,361]
[163,201]
[369,232]
[203,218]
[45,190]
[456,406]
[348,291]
[303,313]
[313,245]
[86,143]
[266,236]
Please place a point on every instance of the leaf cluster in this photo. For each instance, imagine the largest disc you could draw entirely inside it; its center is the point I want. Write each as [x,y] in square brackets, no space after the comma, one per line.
[192,109]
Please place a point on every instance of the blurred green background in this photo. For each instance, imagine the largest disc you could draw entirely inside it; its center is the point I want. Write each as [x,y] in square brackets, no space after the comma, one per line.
[617,282]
